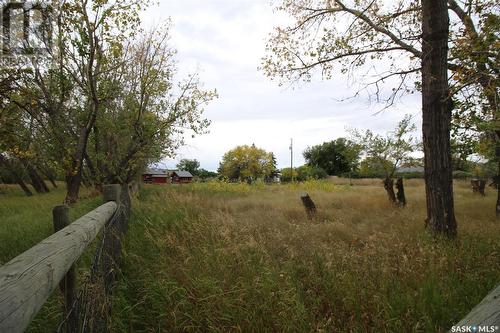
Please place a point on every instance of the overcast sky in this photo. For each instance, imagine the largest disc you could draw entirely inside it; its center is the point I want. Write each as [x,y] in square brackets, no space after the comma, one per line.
[224,41]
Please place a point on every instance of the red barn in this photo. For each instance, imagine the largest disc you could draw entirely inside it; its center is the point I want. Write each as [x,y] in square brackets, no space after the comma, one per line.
[155,176]
[181,177]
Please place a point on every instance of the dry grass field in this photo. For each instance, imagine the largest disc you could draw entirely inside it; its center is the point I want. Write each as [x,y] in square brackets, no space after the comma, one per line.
[232,257]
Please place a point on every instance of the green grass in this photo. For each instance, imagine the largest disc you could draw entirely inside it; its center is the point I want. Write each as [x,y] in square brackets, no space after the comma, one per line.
[24,222]
[232,257]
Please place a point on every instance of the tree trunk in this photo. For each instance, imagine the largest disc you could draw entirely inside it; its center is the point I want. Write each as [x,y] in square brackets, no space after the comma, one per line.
[49,174]
[75,174]
[37,181]
[401,192]
[73,187]
[436,114]
[389,188]
[15,175]
[41,181]
[52,180]
[482,186]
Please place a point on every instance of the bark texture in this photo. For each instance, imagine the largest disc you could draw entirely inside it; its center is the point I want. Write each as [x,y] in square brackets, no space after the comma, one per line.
[436,113]
[36,181]
[389,188]
[401,192]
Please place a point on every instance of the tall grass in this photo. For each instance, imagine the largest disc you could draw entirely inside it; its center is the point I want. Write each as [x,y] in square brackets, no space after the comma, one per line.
[234,257]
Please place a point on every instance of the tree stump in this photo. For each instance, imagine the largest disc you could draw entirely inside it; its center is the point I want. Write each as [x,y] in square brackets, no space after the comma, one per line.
[308,205]
[478,186]
[401,192]
[474,183]
[482,186]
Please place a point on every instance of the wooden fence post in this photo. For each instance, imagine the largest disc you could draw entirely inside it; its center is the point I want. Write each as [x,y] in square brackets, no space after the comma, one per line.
[60,218]
[308,205]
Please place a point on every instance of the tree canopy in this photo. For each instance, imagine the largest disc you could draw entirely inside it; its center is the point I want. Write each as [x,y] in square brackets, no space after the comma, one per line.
[337,157]
[247,163]
[193,166]
[303,173]
[390,151]
[384,154]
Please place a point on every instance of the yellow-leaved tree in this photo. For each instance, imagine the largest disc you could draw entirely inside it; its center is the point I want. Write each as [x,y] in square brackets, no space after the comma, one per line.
[247,163]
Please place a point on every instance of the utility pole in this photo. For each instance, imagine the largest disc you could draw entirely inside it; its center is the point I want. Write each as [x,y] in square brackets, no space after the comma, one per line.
[291,158]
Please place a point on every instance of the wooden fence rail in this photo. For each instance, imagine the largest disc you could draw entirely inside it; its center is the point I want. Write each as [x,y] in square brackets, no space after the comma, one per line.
[27,281]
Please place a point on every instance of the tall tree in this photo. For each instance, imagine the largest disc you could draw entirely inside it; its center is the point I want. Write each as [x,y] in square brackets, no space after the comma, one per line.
[336,157]
[94,32]
[247,163]
[388,152]
[436,111]
[149,111]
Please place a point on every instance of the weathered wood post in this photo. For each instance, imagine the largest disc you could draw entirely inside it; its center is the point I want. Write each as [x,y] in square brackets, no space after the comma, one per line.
[308,205]
[60,219]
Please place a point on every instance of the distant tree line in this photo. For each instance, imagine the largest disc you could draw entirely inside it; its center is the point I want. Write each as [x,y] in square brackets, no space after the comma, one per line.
[390,157]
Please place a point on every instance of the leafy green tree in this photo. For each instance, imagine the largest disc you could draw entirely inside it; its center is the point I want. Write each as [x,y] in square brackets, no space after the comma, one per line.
[247,163]
[193,166]
[286,174]
[373,167]
[149,112]
[205,174]
[386,153]
[303,173]
[336,157]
